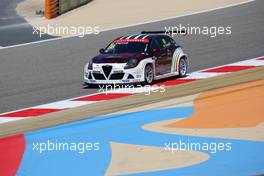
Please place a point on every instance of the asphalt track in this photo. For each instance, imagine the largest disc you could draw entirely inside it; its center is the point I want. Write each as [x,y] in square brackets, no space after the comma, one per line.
[45,72]
[13,28]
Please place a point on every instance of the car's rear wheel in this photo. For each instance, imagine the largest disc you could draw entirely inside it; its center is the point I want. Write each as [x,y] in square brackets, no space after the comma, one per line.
[182,67]
[149,74]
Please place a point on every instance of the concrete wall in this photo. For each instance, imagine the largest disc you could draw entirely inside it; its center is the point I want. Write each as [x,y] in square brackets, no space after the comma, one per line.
[67,5]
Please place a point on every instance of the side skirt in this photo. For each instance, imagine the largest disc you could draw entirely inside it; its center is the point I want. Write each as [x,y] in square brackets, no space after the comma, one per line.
[166,75]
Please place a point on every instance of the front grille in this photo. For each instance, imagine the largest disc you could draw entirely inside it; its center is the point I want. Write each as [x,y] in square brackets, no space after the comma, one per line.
[107,70]
[98,76]
[116,76]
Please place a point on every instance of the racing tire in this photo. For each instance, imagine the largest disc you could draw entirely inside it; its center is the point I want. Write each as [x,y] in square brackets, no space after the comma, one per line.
[149,74]
[182,67]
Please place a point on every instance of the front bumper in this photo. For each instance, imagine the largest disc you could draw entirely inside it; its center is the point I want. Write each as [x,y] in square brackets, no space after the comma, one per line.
[113,74]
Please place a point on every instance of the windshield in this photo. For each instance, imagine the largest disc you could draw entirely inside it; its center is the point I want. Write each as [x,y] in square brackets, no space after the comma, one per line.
[125,46]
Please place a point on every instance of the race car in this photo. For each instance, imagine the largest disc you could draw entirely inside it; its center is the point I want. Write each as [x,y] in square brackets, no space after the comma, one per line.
[140,58]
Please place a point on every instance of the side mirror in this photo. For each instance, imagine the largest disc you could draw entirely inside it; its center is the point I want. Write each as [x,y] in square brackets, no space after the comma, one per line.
[102,51]
[155,50]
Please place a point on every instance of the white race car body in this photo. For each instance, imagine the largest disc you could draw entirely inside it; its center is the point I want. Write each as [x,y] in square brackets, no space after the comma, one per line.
[118,73]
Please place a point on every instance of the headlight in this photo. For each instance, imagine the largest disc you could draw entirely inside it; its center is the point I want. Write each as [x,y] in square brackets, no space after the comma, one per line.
[131,63]
[90,65]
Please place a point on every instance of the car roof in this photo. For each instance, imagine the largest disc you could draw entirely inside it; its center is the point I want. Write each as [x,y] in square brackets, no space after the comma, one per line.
[141,36]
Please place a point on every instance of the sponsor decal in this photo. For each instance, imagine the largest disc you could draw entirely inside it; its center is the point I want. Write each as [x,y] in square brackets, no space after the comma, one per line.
[131,40]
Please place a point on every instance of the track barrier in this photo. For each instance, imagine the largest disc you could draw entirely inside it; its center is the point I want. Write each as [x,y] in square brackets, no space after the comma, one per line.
[55,8]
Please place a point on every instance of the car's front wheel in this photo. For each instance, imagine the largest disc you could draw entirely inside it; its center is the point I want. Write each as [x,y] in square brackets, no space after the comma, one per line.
[182,67]
[149,74]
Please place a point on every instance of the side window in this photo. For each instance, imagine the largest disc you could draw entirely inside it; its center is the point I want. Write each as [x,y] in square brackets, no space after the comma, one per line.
[169,41]
[165,41]
[155,44]
[162,42]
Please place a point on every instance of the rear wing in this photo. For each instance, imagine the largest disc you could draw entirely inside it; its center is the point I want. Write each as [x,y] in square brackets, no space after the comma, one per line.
[167,32]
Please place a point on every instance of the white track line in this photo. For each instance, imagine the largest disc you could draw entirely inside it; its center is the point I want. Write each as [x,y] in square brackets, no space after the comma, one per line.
[64,104]
[201,75]
[10,119]
[248,62]
[135,24]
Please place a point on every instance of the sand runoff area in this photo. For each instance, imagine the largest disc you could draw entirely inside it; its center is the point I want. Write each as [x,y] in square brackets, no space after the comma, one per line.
[234,112]
[108,14]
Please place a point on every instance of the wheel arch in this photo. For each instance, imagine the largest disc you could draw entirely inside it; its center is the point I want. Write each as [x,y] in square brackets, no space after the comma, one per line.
[148,61]
[182,56]
[152,65]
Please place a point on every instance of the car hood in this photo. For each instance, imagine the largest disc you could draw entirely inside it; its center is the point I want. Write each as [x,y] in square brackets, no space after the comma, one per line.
[118,58]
